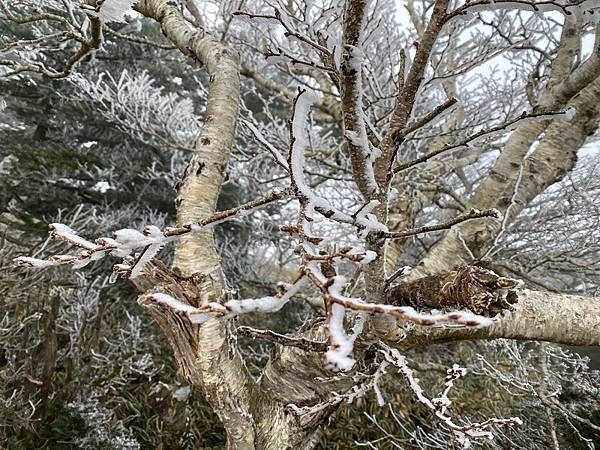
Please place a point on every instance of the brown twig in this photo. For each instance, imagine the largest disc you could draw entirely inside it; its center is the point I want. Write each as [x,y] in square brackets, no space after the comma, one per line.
[299,342]
[472,214]
[476,136]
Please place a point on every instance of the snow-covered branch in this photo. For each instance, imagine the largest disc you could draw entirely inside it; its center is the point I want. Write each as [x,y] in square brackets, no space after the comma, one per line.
[439,405]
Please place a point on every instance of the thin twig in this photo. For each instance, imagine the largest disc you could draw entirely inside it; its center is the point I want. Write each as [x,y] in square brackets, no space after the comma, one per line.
[472,214]
[476,136]
[303,343]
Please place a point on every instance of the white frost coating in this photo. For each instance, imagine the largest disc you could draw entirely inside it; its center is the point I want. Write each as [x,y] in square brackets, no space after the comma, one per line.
[156,240]
[173,303]
[127,236]
[339,354]
[264,304]
[260,137]
[364,219]
[454,373]
[301,141]
[338,357]
[65,233]
[463,433]
[196,315]
[304,102]
[114,10]
[587,8]
[146,256]
[200,317]
[102,186]
[315,269]
[409,313]
[405,270]
[28,261]
[80,263]
[367,220]
[370,256]
[380,372]
[127,240]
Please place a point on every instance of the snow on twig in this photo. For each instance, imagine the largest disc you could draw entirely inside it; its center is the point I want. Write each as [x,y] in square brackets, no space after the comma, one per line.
[582,8]
[470,215]
[362,219]
[438,406]
[126,241]
[364,384]
[260,138]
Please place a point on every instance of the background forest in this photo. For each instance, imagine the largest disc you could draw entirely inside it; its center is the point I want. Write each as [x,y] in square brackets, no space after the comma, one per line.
[81,365]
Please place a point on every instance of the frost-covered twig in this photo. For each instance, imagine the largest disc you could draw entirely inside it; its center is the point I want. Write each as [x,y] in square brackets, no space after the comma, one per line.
[87,46]
[221,216]
[299,138]
[442,401]
[126,241]
[364,384]
[581,7]
[279,159]
[439,405]
[408,313]
[230,308]
[415,125]
[279,15]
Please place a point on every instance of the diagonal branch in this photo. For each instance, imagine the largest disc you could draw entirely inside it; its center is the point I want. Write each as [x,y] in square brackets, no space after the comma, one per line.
[470,215]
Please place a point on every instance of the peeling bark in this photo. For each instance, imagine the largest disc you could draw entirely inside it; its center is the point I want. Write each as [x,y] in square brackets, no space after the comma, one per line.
[479,290]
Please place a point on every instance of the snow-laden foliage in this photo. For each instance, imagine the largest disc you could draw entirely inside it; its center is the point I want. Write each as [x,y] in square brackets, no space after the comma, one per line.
[136,105]
[114,10]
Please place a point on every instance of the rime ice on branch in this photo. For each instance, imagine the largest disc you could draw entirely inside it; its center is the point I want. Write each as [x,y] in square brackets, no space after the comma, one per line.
[110,10]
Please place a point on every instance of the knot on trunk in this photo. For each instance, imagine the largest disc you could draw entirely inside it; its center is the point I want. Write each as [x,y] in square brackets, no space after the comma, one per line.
[466,287]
